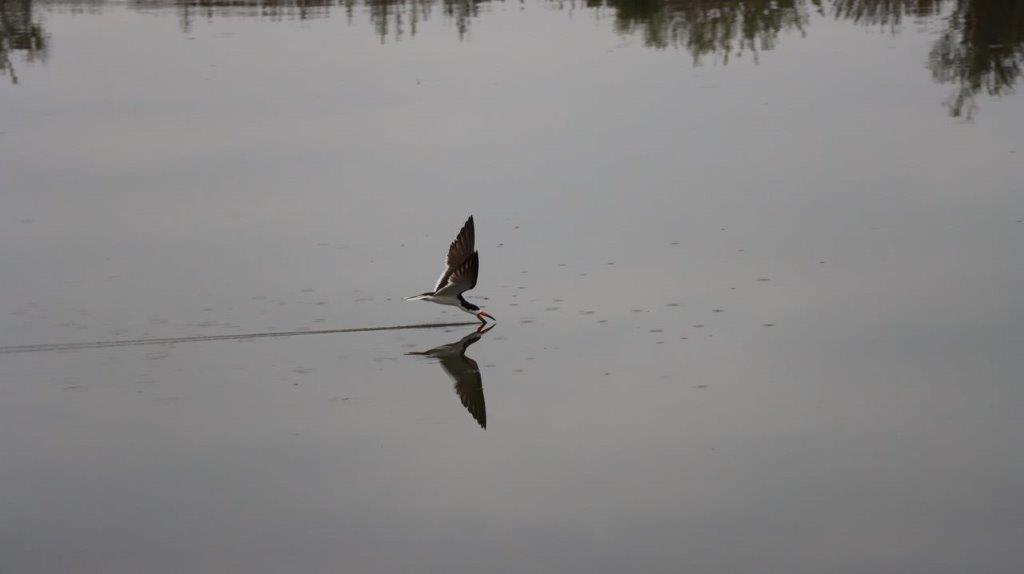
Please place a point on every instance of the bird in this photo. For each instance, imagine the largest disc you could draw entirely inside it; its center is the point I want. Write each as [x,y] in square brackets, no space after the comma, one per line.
[464,372]
[460,271]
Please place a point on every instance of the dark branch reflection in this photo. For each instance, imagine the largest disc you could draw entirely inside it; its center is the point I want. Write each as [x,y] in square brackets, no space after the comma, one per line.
[979,48]
[464,373]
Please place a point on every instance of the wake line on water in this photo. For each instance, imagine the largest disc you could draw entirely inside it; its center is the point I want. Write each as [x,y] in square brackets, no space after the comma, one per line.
[195,339]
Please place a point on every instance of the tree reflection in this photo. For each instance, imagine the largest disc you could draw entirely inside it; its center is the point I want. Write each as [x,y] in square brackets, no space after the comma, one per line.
[706,27]
[980,47]
[19,32]
[884,12]
[981,50]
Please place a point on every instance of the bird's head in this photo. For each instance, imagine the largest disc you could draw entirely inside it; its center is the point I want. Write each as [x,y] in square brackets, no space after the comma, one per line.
[475,310]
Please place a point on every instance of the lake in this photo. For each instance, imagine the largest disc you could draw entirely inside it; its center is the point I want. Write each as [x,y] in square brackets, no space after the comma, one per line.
[756,267]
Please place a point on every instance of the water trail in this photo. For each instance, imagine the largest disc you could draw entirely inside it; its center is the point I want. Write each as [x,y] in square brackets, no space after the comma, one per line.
[194,339]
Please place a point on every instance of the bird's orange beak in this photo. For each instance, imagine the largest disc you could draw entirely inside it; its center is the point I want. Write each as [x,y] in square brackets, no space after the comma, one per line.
[481,314]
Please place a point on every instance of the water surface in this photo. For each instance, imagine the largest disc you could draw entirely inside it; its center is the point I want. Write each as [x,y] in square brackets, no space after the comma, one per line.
[756,267]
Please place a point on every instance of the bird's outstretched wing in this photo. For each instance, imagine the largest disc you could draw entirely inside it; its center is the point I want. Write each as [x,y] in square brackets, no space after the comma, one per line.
[462,278]
[458,252]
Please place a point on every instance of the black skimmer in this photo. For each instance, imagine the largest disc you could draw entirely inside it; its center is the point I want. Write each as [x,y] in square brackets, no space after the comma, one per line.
[461,268]
[464,372]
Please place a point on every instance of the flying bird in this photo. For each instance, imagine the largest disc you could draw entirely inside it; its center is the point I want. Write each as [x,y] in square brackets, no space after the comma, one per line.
[460,270]
[464,372]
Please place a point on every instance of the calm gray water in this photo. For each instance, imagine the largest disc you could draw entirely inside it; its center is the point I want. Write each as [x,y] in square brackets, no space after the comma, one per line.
[756,267]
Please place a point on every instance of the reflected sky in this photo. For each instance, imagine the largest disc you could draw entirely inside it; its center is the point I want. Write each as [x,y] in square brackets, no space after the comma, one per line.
[979,45]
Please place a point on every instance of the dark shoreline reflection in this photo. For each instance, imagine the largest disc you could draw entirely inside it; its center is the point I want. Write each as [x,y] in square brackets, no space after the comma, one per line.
[979,50]
[390,18]
[464,372]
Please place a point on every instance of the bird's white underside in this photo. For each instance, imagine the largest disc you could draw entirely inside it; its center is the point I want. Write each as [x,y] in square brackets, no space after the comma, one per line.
[441,300]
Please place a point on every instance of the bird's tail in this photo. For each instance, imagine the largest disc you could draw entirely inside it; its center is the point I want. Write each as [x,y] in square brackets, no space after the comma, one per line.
[418,297]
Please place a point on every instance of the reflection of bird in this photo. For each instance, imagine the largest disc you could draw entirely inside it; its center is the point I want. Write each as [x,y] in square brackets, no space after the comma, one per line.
[460,270]
[464,371]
